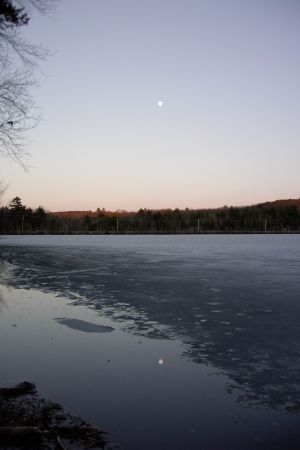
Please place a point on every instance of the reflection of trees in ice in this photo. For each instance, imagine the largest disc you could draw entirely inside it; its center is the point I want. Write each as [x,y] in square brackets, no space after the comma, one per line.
[239,317]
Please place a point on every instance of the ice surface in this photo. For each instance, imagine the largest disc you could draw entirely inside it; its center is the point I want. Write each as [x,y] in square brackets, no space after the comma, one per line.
[233,301]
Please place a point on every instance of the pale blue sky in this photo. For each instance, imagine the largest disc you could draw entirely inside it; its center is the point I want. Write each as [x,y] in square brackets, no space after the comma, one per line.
[228,73]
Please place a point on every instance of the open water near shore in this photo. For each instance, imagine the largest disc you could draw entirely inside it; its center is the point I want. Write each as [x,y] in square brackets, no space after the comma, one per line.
[165,342]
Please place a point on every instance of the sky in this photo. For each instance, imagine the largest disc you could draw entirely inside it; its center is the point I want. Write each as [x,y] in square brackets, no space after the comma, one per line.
[227,133]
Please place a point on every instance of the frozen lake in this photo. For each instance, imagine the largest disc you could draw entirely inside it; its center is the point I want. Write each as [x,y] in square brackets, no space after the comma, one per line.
[165,342]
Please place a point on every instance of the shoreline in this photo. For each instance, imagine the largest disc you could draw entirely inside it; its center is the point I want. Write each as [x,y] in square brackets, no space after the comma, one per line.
[27,420]
[151,233]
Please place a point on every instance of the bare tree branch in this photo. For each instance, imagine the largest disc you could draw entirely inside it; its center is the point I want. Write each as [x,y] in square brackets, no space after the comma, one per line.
[16,114]
[42,6]
[18,61]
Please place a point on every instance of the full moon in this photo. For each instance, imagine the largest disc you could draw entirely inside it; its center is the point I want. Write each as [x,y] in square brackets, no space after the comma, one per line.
[160,103]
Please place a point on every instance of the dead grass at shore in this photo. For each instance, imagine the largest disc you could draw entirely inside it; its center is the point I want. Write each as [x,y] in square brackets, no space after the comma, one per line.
[28,421]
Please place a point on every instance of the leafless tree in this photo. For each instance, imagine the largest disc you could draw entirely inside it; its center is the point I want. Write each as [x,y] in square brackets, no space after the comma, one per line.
[18,62]
[16,113]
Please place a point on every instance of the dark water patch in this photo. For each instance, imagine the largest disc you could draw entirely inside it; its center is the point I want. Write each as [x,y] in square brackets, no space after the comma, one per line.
[81,325]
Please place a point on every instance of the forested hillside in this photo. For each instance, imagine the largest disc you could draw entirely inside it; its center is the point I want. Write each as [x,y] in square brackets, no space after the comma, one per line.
[281,216]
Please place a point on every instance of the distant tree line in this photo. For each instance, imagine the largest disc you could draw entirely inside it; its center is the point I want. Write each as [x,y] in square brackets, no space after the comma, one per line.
[266,217]
[17,219]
